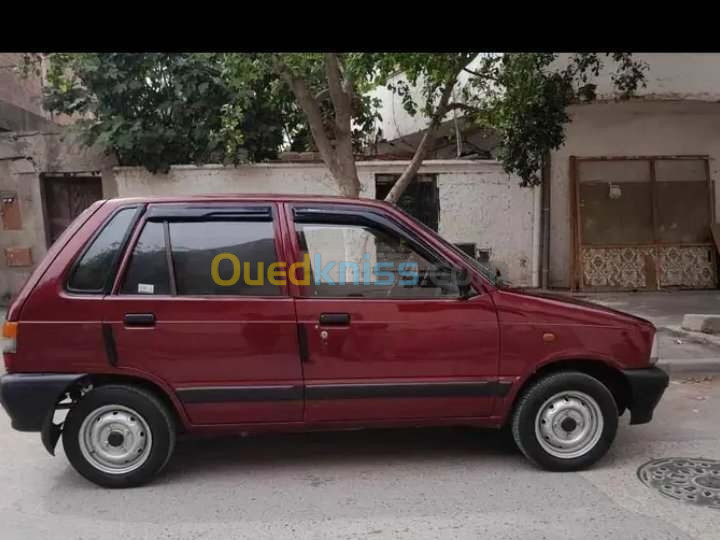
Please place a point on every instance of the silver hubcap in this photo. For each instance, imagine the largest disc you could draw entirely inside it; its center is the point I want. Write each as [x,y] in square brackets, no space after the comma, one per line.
[115,439]
[569,424]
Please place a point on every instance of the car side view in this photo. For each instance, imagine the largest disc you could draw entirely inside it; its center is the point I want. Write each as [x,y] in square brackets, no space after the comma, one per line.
[154,317]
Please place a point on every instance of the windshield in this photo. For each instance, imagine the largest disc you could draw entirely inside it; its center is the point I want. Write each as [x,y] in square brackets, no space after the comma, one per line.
[484,270]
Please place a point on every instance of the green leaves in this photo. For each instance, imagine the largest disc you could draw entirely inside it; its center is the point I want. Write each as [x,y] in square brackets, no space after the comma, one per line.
[530,112]
[155,109]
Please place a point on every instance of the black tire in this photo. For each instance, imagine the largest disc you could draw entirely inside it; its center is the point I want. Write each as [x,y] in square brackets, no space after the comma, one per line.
[532,400]
[149,407]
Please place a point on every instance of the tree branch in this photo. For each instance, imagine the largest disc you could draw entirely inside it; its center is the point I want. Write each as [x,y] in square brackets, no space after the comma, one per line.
[471,72]
[427,141]
[462,107]
[480,75]
[322,94]
[340,100]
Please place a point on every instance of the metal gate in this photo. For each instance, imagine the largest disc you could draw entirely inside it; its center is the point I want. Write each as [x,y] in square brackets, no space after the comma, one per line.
[642,223]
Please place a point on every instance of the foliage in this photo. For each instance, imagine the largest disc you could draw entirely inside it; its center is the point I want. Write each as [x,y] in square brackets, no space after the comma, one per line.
[528,106]
[157,109]
[245,69]
[523,97]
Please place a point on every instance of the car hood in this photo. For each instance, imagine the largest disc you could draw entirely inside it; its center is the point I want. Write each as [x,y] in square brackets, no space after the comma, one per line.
[586,306]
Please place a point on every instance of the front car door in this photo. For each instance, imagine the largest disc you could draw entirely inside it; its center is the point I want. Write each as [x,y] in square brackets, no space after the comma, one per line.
[384,341]
[182,311]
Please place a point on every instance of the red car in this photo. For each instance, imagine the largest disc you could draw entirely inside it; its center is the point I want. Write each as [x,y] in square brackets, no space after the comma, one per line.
[154,317]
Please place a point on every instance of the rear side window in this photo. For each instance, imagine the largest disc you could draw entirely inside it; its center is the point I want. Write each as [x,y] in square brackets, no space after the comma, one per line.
[251,249]
[95,268]
[148,269]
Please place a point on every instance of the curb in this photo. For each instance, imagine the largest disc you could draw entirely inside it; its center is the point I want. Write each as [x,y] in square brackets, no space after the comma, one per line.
[696,337]
[708,366]
[697,322]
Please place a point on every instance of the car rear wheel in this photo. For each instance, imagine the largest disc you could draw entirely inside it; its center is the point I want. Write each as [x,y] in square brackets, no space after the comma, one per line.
[119,436]
[565,421]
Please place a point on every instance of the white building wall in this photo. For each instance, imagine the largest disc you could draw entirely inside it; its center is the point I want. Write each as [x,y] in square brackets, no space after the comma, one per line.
[491,210]
[686,76]
[637,128]
[479,203]
[676,76]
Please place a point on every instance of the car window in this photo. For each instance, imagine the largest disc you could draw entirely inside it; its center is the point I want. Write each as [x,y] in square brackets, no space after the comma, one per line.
[487,273]
[93,271]
[148,269]
[366,262]
[223,257]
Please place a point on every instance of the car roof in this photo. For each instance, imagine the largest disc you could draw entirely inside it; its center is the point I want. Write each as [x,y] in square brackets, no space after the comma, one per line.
[248,197]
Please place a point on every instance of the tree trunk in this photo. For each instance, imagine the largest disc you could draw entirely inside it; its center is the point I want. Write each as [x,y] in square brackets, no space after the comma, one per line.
[348,182]
[426,143]
[345,170]
[338,154]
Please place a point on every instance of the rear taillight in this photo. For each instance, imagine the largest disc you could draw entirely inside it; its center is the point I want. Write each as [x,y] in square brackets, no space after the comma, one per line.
[9,343]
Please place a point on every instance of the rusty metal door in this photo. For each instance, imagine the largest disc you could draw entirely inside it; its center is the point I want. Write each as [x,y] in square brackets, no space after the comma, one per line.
[64,199]
[643,223]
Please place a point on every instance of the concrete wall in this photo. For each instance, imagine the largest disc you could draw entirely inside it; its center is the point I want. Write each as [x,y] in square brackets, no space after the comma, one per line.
[478,202]
[21,98]
[24,157]
[22,92]
[637,128]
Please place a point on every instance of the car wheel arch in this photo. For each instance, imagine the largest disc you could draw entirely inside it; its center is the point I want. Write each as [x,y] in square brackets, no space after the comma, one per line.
[606,373]
[50,432]
[161,391]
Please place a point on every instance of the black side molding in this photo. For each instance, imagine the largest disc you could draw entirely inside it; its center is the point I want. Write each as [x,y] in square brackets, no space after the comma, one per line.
[303,343]
[407,390]
[109,342]
[219,394]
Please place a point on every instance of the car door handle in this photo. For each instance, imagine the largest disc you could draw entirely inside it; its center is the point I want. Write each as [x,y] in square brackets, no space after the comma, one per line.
[139,319]
[334,319]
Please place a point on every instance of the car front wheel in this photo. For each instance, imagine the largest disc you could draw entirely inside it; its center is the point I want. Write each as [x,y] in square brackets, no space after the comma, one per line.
[118,436]
[565,421]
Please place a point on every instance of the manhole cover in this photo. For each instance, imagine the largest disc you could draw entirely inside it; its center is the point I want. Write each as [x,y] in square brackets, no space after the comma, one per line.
[692,480]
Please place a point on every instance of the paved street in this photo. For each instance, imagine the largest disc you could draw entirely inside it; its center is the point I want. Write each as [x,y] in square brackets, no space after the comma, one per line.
[380,484]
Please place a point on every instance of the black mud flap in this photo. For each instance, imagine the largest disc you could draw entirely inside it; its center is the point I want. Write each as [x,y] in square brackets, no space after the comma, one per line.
[50,433]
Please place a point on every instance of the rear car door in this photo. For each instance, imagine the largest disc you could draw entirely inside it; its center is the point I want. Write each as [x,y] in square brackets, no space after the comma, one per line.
[183,309]
[381,347]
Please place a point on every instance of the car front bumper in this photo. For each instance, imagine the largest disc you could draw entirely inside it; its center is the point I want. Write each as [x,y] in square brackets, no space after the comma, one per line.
[646,388]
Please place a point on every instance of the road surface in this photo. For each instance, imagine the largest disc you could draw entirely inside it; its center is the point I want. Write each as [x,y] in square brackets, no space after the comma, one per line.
[418,483]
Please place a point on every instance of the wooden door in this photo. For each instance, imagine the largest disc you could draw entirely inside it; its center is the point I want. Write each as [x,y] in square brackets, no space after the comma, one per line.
[65,199]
